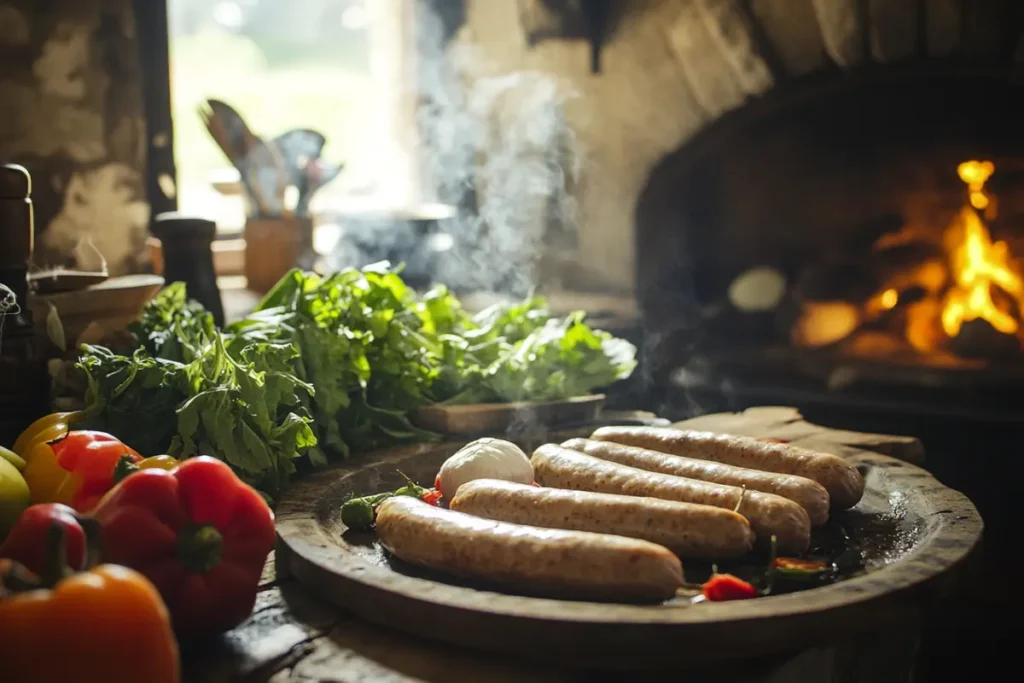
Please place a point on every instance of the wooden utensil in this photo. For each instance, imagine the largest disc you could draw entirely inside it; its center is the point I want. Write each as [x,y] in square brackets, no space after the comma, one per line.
[260,164]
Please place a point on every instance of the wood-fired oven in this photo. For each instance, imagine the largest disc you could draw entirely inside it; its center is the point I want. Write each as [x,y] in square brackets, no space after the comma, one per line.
[851,241]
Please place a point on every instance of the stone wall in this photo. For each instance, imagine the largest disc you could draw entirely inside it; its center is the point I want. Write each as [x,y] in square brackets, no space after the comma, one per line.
[671,67]
[71,112]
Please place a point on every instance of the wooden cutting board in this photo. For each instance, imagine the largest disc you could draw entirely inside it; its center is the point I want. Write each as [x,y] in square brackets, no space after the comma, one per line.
[912,530]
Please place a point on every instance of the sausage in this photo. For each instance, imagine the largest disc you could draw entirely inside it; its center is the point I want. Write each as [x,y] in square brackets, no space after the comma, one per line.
[768,514]
[843,482]
[686,529]
[550,562]
[809,494]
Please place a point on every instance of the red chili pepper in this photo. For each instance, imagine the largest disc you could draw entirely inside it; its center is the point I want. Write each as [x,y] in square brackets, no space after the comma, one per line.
[432,497]
[771,439]
[26,543]
[727,587]
[198,533]
[91,456]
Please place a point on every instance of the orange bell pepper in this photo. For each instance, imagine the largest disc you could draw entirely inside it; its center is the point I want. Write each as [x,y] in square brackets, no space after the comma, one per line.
[76,469]
[108,622]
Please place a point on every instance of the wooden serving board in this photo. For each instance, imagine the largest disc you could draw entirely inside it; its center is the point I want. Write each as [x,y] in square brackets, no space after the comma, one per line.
[911,529]
[496,419]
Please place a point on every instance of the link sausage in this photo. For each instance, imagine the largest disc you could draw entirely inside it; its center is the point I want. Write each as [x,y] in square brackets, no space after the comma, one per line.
[551,562]
[768,514]
[689,530]
[843,482]
[809,494]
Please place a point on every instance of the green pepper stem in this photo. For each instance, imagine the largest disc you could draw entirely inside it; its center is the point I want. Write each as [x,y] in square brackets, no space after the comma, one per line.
[125,466]
[416,488]
[200,547]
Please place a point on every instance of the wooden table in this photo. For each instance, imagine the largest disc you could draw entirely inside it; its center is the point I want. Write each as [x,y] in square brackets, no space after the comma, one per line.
[293,636]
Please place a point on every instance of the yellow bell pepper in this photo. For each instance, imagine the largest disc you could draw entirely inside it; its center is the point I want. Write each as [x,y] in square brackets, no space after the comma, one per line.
[160,462]
[127,465]
[47,480]
[43,430]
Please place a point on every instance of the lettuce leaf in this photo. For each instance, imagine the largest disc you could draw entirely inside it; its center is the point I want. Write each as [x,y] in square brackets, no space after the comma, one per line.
[329,366]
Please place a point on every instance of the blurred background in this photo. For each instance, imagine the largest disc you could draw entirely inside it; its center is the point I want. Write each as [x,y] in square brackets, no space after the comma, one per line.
[284,65]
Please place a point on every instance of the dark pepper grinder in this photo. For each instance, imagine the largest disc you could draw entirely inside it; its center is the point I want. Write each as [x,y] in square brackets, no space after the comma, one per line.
[24,388]
[187,244]
[16,242]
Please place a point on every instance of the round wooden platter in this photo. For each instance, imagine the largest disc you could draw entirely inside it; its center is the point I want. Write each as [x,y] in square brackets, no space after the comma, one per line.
[911,529]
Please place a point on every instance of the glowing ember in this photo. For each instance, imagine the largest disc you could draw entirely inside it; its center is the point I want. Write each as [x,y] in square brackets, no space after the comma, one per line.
[946,286]
[977,264]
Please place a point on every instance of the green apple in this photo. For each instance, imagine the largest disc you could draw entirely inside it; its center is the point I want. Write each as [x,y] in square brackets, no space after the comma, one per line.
[12,457]
[14,496]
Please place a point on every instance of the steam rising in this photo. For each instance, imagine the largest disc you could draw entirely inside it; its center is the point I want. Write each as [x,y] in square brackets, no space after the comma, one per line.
[500,150]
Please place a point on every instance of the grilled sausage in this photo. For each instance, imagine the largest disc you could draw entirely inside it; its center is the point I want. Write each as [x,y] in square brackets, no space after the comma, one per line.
[811,495]
[686,529]
[768,514]
[544,561]
[843,482]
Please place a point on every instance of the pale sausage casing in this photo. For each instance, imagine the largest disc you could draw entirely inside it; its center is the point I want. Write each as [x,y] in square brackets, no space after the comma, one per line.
[843,482]
[769,515]
[553,562]
[811,495]
[689,530]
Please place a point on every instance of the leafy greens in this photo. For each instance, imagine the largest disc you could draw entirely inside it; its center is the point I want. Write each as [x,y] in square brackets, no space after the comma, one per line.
[328,366]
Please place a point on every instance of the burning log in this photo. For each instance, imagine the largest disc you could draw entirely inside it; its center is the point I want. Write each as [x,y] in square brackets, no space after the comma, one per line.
[863,276]
[837,280]
[977,338]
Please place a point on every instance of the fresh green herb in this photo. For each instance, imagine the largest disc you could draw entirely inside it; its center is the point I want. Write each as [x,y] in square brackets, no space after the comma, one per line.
[362,343]
[245,409]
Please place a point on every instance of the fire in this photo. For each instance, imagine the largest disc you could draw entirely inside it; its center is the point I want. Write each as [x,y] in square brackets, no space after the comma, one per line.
[977,264]
[953,278]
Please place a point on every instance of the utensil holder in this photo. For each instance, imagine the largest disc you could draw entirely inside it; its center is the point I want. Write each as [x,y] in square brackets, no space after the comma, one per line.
[273,246]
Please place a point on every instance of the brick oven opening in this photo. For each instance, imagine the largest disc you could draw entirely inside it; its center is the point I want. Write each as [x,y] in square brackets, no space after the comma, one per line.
[855,237]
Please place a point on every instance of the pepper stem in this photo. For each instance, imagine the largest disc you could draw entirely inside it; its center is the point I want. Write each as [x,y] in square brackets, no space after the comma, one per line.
[93,545]
[125,466]
[200,547]
[18,579]
[56,567]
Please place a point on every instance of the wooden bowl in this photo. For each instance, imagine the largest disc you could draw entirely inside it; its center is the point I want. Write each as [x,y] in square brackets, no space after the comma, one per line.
[113,303]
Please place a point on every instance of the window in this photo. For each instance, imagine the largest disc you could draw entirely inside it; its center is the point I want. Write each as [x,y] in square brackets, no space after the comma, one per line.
[282,64]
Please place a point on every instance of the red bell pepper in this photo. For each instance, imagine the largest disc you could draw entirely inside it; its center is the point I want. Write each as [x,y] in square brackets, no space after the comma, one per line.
[26,544]
[727,587]
[198,533]
[91,457]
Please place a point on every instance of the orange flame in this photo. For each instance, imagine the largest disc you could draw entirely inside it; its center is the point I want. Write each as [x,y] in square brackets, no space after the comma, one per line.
[977,263]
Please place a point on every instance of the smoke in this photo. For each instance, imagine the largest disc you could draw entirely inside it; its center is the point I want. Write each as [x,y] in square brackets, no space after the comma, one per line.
[499,149]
